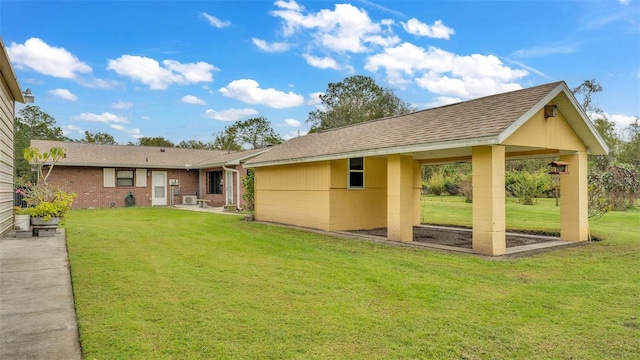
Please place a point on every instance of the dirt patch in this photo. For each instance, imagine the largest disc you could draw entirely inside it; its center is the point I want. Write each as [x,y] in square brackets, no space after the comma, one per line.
[461,238]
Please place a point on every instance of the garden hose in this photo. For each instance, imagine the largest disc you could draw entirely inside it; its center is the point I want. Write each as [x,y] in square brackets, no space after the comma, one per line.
[130,199]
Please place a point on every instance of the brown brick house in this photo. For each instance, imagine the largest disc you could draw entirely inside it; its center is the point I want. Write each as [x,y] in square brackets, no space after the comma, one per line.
[103,175]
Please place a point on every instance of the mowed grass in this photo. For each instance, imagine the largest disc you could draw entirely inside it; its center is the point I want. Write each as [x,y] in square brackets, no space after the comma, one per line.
[161,283]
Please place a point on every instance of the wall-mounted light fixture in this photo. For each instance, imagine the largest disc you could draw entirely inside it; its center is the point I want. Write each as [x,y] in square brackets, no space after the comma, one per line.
[550,111]
[28,96]
[558,168]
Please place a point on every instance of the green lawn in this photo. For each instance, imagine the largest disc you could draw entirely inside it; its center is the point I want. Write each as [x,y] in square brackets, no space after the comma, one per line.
[161,283]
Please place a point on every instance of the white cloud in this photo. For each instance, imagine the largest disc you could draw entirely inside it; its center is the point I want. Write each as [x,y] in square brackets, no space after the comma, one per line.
[48,60]
[437,31]
[621,121]
[249,91]
[214,21]
[552,48]
[230,114]
[274,47]
[289,5]
[292,122]
[105,117]
[293,134]
[122,105]
[190,99]
[322,63]
[95,83]
[445,73]
[148,71]
[63,94]
[344,29]
[314,98]
[68,129]
[145,118]
[385,9]
[134,132]
[439,101]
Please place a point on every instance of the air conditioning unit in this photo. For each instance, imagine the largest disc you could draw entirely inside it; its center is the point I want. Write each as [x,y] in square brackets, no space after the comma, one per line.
[189,199]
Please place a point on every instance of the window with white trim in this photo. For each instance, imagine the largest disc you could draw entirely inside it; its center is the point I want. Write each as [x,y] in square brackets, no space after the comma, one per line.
[124,178]
[214,182]
[356,173]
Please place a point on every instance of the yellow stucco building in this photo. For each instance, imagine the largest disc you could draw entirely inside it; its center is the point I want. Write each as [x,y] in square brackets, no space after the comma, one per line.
[369,175]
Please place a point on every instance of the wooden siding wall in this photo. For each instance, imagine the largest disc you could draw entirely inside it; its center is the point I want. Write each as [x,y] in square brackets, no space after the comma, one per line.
[7,113]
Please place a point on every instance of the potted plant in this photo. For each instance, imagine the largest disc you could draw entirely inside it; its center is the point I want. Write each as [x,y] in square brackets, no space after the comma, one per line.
[47,204]
[50,212]
[22,218]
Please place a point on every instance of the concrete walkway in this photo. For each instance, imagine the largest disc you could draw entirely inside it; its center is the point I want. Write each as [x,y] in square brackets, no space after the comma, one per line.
[37,315]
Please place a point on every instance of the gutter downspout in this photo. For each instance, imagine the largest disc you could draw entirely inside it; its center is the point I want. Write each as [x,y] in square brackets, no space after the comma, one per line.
[237,184]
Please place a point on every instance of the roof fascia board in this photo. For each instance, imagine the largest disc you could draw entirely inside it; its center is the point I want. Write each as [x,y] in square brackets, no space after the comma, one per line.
[586,120]
[488,140]
[9,75]
[544,101]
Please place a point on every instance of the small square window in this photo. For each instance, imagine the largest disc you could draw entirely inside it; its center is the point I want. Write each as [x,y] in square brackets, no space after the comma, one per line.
[124,178]
[356,173]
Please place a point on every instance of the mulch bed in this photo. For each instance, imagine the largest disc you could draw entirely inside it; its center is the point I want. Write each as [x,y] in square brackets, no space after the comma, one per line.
[453,237]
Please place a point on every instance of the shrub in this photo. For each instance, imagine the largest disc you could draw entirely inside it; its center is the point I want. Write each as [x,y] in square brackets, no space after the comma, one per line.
[58,206]
[622,182]
[526,186]
[465,186]
[248,195]
[435,184]
[598,196]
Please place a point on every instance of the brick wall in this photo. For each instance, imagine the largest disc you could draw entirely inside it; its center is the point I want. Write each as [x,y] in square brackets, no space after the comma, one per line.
[219,199]
[87,183]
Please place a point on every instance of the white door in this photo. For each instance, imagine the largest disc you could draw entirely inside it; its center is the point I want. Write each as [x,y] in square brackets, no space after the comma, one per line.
[229,187]
[159,184]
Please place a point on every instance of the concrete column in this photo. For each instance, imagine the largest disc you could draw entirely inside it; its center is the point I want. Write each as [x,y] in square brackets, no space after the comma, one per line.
[488,200]
[417,199]
[574,211]
[400,198]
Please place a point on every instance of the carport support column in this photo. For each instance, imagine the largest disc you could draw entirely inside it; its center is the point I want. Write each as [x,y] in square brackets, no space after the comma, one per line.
[400,198]
[488,200]
[574,210]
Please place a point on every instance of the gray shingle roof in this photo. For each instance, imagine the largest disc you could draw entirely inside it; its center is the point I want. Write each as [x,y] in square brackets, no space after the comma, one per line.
[82,154]
[480,118]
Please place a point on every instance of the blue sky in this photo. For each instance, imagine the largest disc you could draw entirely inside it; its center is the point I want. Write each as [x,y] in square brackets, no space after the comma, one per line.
[184,70]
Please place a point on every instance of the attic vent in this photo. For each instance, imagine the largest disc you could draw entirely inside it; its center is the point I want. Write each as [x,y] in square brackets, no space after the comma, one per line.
[162,150]
[550,111]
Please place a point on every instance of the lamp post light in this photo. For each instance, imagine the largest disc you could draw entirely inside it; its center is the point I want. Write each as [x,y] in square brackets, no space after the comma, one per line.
[28,96]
